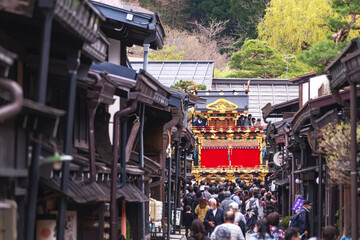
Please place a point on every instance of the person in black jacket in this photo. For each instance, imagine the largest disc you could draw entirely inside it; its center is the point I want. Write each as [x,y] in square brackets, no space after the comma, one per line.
[189,197]
[214,216]
[188,218]
[304,220]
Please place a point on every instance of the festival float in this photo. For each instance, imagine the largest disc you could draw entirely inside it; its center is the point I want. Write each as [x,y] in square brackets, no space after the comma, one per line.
[223,149]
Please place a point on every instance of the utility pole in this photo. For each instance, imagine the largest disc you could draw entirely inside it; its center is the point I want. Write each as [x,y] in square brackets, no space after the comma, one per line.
[287,65]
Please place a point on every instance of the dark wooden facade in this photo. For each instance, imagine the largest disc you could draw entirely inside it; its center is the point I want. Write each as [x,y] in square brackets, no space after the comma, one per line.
[56,89]
[304,173]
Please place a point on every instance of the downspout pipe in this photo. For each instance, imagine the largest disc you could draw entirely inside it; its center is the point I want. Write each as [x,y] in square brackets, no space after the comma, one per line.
[92,105]
[141,161]
[120,116]
[146,55]
[73,63]
[41,98]
[9,110]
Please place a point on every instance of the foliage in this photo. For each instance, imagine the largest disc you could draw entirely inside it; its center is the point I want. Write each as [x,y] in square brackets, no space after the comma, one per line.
[187,86]
[285,222]
[257,59]
[168,53]
[247,15]
[335,144]
[195,46]
[218,73]
[291,25]
[345,19]
[241,16]
[321,54]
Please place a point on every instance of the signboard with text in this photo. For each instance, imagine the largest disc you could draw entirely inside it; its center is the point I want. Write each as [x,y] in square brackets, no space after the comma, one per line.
[298,204]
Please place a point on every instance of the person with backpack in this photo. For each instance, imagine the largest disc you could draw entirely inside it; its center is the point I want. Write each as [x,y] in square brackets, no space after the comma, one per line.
[189,197]
[301,220]
[235,197]
[252,213]
[269,204]
[276,231]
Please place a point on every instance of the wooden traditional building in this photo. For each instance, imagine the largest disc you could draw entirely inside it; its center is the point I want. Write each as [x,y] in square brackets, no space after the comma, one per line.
[304,169]
[68,67]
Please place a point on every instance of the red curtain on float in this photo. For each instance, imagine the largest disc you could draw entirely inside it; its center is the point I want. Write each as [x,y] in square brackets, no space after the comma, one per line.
[245,157]
[212,158]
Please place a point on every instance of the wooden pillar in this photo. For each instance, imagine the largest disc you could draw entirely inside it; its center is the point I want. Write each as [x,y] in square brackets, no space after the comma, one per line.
[347,212]
[101,220]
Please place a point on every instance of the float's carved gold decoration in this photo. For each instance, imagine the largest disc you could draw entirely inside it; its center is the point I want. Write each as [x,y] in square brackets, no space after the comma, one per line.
[222,104]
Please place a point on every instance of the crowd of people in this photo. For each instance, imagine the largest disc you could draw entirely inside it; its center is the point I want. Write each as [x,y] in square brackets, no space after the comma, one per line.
[228,210]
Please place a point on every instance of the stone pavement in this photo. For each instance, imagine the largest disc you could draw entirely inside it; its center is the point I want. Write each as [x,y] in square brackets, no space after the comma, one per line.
[178,236]
[181,236]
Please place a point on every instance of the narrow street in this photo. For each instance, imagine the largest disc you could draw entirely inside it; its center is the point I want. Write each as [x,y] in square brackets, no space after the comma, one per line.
[183,120]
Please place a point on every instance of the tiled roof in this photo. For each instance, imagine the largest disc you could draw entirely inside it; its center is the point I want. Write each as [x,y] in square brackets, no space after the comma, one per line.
[170,72]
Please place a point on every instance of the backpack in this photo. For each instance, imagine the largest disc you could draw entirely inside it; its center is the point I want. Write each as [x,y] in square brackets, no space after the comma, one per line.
[189,200]
[232,196]
[294,222]
[269,208]
[253,206]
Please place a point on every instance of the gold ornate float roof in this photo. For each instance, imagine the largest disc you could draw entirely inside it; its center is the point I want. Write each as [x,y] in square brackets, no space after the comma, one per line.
[222,104]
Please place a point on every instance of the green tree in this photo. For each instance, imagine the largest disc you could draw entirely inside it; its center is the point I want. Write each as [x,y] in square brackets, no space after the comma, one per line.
[247,14]
[257,59]
[345,19]
[321,54]
[291,26]
[168,53]
[187,86]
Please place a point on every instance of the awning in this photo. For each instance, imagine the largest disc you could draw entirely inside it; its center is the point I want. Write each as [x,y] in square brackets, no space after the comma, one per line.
[282,182]
[80,192]
[129,192]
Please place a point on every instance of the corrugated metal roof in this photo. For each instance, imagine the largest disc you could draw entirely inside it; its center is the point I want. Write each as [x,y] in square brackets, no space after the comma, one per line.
[262,91]
[170,72]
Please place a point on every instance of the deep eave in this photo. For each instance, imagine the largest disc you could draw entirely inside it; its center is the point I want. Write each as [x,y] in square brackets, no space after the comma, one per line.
[136,27]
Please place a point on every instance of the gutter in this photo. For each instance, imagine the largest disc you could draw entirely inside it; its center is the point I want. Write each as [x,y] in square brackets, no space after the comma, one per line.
[119,117]
[9,110]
